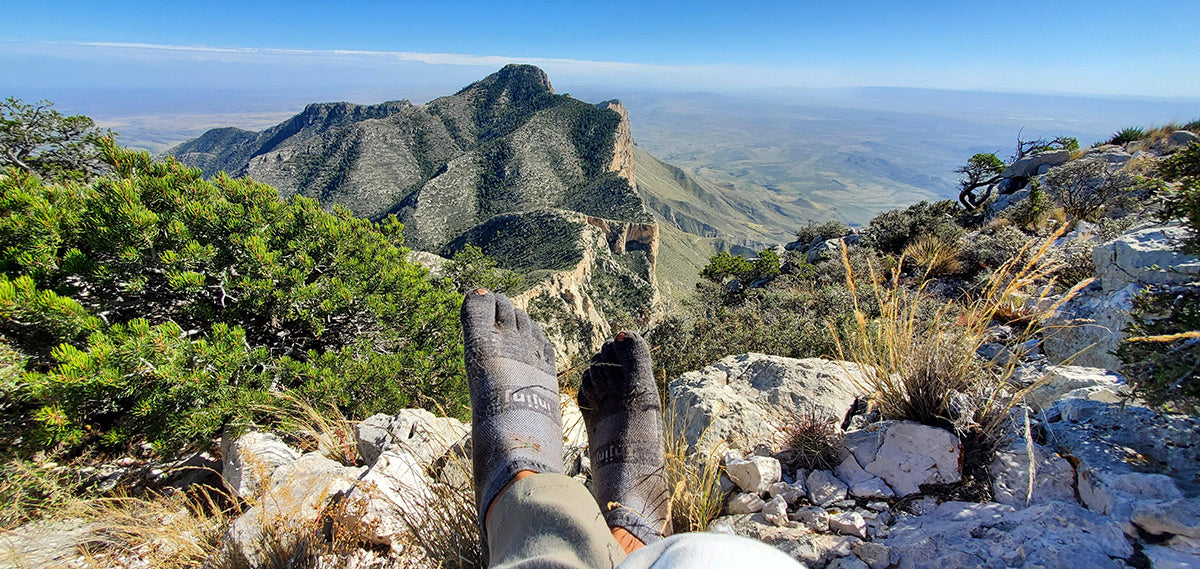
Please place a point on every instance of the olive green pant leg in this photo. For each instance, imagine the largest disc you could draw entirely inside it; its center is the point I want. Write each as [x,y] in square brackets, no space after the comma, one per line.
[550,520]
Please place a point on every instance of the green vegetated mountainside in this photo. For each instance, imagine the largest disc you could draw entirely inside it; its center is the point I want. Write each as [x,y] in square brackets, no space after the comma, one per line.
[541,183]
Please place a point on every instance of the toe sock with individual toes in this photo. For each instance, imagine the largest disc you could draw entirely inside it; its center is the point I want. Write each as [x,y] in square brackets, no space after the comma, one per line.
[515,410]
[623,415]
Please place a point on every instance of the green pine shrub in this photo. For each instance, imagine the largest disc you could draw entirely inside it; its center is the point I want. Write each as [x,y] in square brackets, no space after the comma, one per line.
[155,305]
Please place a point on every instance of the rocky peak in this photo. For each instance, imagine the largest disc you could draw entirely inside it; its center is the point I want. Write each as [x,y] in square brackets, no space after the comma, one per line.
[622,159]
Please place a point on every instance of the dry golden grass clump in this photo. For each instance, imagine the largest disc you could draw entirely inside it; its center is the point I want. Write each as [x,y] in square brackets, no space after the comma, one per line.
[919,354]
[933,256]
[694,481]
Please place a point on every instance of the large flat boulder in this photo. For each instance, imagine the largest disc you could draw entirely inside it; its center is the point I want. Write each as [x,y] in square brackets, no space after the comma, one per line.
[1052,535]
[1030,165]
[747,400]
[1086,329]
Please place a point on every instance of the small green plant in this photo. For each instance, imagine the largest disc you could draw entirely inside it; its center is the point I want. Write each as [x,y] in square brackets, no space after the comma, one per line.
[981,171]
[933,257]
[1127,135]
[694,481]
[1183,200]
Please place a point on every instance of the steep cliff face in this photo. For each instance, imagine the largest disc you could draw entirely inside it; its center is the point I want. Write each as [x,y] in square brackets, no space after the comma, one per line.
[543,183]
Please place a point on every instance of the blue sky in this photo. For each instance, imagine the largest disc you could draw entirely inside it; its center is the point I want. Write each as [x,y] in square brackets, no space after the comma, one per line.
[1097,47]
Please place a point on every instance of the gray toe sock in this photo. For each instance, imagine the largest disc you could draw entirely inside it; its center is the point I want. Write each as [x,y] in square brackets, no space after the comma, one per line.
[623,414]
[516,417]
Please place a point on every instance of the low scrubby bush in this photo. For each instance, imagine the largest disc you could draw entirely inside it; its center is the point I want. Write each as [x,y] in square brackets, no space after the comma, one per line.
[831,229]
[891,231]
[1083,188]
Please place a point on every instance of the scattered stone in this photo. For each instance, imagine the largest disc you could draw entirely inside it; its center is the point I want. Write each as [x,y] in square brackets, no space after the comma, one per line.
[824,488]
[755,474]
[1176,517]
[418,432]
[251,459]
[1016,481]
[1056,534]
[743,400]
[913,454]
[816,519]
[848,523]
[775,511]
[848,562]
[812,549]
[875,555]
[878,506]
[745,503]
[791,493]
[864,443]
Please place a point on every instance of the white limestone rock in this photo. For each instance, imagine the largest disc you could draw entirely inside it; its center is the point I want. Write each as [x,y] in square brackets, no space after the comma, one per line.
[251,459]
[296,495]
[775,511]
[1066,381]
[755,474]
[746,400]
[1028,166]
[1052,476]
[996,536]
[913,454]
[417,432]
[875,555]
[811,549]
[1174,517]
[848,562]
[394,489]
[861,483]
[745,503]
[824,488]
[814,518]
[848,523]
[791,493]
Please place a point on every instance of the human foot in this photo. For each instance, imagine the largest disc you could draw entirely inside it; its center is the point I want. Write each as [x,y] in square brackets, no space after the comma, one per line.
[516,420]
[623,415]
